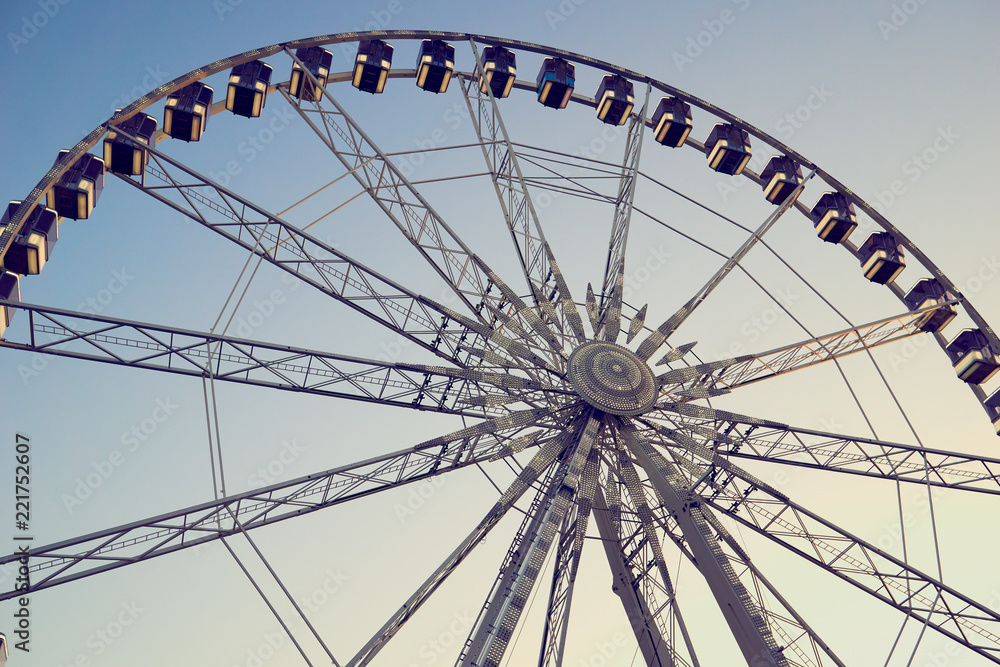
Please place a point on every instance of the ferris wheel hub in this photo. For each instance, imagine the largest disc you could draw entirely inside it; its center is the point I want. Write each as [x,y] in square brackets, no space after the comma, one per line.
[612,379]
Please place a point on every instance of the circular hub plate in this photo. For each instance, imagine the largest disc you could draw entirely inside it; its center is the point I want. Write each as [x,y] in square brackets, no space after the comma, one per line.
[612,379]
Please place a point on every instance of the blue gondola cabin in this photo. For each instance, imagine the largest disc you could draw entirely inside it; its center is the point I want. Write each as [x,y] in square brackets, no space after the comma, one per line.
[556,80]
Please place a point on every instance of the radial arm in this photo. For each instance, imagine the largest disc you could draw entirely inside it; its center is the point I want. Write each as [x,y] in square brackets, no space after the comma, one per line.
[167,349]
[402,203]
[612,288]
[109,549]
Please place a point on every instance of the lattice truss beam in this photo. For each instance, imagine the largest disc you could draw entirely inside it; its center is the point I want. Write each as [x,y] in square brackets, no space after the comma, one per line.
[463,271]
[720,377]
[613,285]
[106,550]
[718,485]
[463,391]
[547,285]
[737,436]
[460,339]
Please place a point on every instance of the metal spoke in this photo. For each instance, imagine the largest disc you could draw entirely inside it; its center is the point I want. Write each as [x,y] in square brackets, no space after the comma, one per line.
[772,514]
[742,613]
[642,616]
[901,586]
[225,358]
[740,437]
[424,321]
[541,465]
[537,260]
[799,643]
[652,343]
[458,266]
[141,540]
[645,539]
[612,288]
[568,551]
[685,383]
[498,619]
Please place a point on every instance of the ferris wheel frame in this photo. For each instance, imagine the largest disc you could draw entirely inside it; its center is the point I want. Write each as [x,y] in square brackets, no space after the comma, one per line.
[536,318]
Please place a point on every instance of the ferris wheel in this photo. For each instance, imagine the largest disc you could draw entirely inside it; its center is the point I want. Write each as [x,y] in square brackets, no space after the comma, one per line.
[621,430]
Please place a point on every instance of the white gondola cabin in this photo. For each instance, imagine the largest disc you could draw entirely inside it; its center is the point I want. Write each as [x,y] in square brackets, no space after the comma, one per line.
[246,93]
[499,71]
[779,178]
[615,99]
[672,122]
[435,65]
[993,403]
[972,357]
[10,290]
[317,62]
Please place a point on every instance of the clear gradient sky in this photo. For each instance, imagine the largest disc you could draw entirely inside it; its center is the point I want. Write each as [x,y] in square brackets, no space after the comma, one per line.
[895,98]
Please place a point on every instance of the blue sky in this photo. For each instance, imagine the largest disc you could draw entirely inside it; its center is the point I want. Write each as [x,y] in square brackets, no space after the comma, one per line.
[896,99]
